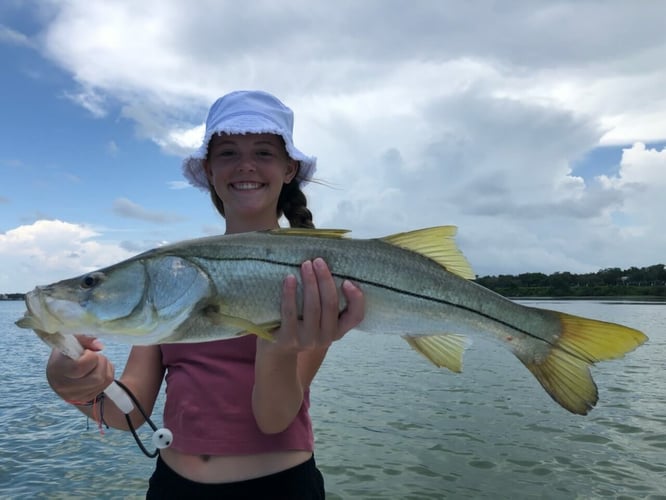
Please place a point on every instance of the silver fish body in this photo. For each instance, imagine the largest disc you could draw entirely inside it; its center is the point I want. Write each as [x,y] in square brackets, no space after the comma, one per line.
[415,284]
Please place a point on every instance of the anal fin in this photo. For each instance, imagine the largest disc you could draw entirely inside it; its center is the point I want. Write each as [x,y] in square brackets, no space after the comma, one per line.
[443,350]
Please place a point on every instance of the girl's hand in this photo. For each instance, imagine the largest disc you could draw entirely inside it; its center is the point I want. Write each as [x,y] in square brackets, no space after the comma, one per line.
[322,323]
[80,380]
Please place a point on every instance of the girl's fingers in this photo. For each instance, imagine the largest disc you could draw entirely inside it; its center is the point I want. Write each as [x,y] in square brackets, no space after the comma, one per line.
[355,310]
[90,343]
[289,307]
[329,302]
[321,322]
[73,368]
[311,304]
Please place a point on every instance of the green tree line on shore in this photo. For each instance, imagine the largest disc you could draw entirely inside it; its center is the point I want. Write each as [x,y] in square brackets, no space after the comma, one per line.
[644,281]
[11,296]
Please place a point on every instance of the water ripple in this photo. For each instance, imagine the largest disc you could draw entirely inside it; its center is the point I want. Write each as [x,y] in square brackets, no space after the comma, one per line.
[387,425]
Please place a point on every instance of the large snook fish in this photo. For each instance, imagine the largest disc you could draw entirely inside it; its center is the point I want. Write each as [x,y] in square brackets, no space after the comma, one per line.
[416,284]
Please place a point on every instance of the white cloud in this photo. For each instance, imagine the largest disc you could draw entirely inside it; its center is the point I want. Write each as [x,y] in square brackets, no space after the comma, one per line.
[641,166]
[189,138]
[178,57]
[179,185]
[642,179]
[90,99]
[51,250]
[10,36]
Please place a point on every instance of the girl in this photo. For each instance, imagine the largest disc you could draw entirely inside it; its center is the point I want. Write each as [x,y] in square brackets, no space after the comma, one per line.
[238,408]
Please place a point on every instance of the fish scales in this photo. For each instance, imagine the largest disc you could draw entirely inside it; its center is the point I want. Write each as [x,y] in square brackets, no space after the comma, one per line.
[423,298]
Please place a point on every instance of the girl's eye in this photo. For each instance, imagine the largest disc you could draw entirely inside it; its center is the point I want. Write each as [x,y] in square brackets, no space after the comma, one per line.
[265,153]
[226,153]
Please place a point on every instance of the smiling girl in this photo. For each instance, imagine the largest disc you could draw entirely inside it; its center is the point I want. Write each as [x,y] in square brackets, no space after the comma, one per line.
[238,409]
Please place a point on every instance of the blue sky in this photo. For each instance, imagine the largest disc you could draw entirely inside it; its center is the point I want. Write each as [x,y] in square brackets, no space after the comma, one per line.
[538,130]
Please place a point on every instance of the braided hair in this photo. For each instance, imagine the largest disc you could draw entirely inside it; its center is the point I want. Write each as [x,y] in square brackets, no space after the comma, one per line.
[294,205]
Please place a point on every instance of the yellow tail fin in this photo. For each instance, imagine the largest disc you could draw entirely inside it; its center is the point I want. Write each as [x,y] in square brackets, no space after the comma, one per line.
[565,372]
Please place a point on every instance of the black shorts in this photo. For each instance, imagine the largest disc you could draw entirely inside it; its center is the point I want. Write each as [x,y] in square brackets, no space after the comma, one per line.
[303,482]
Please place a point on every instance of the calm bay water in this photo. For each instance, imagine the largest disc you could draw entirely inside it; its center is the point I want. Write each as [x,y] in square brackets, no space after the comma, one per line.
[387,423]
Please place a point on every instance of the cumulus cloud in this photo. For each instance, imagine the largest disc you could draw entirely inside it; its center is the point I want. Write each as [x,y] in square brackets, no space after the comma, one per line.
[50,250]
[468,163]
[172,54]
[640,166]
[642,179]
[186,139]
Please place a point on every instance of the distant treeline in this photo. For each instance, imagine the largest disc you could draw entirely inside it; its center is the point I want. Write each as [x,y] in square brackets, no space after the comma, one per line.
[645,281]
[12,296]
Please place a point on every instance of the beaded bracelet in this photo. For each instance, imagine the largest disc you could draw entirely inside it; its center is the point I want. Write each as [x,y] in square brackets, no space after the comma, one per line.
[92,402]
[97,404]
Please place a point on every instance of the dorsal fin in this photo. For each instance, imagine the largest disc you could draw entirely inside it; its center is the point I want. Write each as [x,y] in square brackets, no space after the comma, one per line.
[317,233]
[437,244]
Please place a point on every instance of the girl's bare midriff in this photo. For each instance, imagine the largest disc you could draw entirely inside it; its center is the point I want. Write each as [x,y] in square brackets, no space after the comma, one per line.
[226,469]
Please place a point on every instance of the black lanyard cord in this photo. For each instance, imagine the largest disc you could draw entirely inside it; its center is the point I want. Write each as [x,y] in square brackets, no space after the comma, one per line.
[162,438]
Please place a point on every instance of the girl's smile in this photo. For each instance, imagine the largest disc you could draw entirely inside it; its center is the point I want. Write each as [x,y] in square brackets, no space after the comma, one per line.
[246,186]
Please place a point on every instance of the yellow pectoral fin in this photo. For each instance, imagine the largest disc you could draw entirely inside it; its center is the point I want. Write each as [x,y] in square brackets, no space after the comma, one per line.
[444,350]
[244,325]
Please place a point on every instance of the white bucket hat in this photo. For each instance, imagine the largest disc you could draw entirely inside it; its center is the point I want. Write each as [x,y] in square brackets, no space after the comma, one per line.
[247,112]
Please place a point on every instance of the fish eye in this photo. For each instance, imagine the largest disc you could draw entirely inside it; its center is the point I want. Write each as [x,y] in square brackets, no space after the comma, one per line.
[90,280]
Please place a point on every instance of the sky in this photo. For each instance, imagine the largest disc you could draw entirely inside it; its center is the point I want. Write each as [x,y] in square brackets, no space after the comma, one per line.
[536,127]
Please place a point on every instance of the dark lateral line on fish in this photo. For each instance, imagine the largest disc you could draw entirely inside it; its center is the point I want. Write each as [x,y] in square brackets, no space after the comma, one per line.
[406,292]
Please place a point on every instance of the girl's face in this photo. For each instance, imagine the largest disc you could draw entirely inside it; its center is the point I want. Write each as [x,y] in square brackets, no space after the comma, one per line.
[248,172]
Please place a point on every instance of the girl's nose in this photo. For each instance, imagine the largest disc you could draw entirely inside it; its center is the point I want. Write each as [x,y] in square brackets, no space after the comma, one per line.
[247,162]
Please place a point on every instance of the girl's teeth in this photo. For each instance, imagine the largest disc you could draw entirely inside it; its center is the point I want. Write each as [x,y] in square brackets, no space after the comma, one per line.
[247,185]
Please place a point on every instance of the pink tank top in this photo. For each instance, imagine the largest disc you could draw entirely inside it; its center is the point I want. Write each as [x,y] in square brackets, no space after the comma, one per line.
[209,401]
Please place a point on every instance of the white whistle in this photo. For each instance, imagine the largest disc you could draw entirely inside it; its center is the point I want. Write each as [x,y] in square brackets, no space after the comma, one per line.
[162,438]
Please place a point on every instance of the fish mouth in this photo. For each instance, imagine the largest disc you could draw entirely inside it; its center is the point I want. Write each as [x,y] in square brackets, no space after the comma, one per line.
[38,316]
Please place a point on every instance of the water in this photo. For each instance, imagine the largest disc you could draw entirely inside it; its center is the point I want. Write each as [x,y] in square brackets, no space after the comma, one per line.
[388,425]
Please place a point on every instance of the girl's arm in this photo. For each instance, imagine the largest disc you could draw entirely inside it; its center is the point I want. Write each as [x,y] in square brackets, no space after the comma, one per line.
[285,368]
